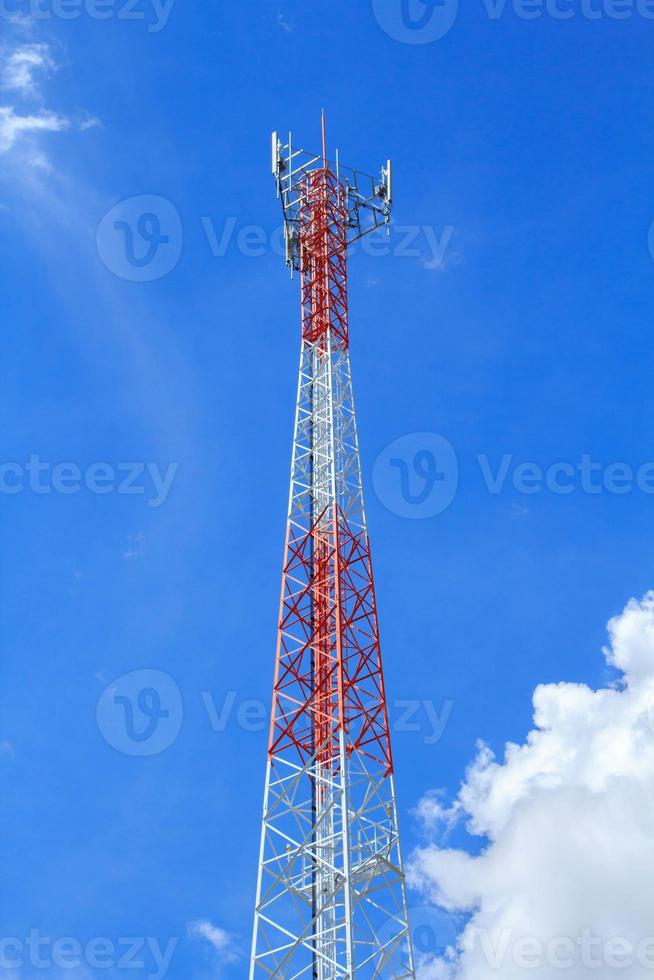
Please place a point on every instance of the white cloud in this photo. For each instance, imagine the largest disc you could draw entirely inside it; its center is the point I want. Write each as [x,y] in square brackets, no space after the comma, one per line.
[284,24]
[222,941]
[89,122]
[13,125]
[135,545]
[564,885]
[21,66]
[434,815]
[39,161]
[22,23]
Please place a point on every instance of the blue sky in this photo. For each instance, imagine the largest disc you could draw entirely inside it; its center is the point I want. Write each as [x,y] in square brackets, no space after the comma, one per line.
[524,148]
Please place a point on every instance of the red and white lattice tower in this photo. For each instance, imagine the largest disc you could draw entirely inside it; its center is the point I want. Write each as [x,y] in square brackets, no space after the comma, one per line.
[331,897]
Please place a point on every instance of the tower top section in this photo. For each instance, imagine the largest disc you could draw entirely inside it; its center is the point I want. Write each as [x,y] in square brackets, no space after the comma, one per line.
[366,200]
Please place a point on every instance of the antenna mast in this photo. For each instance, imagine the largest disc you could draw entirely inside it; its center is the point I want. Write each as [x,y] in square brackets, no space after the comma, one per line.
[331,896]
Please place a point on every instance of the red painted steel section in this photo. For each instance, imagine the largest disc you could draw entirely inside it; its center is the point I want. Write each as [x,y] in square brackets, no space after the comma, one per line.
[329,672]
[323,257]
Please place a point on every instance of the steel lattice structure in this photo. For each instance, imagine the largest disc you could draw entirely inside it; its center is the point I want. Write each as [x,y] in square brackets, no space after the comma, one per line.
[331,897]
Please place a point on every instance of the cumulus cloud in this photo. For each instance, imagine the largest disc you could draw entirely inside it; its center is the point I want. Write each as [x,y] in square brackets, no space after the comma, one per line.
[563,884]
[22,65]
[224,944]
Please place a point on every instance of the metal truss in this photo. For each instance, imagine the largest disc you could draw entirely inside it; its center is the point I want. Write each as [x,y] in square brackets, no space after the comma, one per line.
[331,897]
[367,200]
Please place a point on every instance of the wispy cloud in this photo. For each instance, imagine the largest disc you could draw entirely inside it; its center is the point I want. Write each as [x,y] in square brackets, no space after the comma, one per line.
[88,122]
[223,943]
[135,546]
[285,25]
[22,23]
[13,125]
[22,65]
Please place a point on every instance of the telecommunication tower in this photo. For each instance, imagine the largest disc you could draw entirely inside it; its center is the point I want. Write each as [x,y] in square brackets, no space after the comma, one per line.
[331,895]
